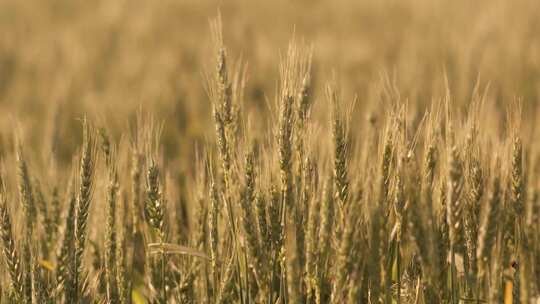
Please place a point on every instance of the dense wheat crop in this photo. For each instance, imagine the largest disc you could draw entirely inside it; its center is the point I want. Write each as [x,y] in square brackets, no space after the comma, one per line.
[274,152]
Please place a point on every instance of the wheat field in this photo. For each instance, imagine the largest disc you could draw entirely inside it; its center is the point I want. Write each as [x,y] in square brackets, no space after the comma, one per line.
[287,151]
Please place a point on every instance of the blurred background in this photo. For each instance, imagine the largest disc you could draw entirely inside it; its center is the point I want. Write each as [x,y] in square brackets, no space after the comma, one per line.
[109,59]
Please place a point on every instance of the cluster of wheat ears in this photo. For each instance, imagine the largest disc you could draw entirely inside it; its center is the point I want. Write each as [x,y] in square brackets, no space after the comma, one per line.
[432,211]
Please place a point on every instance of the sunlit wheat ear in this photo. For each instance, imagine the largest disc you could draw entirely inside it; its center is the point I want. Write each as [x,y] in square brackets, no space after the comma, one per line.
[454,205]
[487,232]
[222,86]
[213,234]
[430,162]
[304,98]
[419,212]
[327,214]
[517,184]
[302,109]
[472,211]
[285,147]
[137,163]
[262,220]
[219,89]
[514,232]
[56,215]
[154,205]
[26,194]
[65,253]
[105,145]
[223,145]
[202,204]
[9,250]
[111,241]
[26,259]
[122,279]
[274,212]
[84,198]
[399,207]
[293,68]
[44,219]
[312,248]
[247,202]
[344,258]
[416,228]
[384,175]
[340,148]
[524,272]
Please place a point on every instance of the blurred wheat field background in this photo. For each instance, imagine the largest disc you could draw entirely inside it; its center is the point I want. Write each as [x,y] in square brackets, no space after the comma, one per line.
[269,152]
